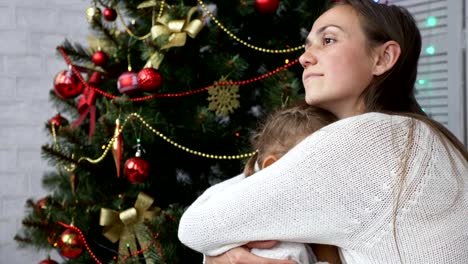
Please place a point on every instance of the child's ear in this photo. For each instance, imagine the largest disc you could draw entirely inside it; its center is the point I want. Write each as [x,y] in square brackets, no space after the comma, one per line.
[270,159]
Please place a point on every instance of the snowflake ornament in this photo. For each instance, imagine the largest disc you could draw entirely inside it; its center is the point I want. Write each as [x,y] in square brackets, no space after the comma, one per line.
[223,99]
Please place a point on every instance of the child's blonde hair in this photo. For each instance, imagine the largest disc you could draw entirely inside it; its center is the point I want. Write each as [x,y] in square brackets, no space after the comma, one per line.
[285,128]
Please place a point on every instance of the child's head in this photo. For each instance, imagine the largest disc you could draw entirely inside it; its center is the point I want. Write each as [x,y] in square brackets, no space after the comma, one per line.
[284,129]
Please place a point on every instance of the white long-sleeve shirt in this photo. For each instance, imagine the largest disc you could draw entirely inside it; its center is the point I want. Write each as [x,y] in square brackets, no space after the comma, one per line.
[299,252]
[340,186]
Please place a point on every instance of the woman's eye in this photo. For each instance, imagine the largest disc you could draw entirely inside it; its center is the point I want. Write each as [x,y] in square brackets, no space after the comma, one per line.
[327,41]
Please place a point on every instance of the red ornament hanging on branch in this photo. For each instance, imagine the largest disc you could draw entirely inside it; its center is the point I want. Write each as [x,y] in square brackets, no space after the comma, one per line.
[67,85]
[48,261]
[128,83]
[100,58]
[137,169]
[117,147]
[69,244]
[150,79]
[266,7]
[109,14]
[58,121]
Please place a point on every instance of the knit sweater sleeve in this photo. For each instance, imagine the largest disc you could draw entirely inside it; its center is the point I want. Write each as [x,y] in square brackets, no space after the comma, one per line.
[217,189]
[328,189]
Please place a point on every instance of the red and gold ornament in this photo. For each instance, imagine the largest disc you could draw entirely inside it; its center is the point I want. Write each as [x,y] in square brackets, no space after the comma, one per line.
[266,7]
[117,147]
[150,79]
[67,85]
[70,244]
[137,169]
[128,83]
[58,121]
[109,14]
[73,181]
[100,58]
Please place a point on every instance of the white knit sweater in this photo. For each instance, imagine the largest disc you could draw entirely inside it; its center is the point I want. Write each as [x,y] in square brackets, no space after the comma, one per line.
[299,252]
[340,186]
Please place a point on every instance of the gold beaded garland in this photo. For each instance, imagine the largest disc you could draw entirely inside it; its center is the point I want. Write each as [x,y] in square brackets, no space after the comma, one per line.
[230,34]
[161,135]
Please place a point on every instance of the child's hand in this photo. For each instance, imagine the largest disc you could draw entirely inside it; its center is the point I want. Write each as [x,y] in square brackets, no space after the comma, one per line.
[262,244]
[242,255]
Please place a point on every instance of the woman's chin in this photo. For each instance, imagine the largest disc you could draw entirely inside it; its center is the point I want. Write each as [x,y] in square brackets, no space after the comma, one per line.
[312,101]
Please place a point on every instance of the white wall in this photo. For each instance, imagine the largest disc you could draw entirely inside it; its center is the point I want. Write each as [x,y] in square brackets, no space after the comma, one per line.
[29,32]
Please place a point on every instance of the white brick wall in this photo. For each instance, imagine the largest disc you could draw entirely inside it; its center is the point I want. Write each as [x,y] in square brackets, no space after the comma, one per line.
[29,32]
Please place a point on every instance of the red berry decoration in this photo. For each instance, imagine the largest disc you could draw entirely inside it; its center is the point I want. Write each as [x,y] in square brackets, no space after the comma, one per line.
[99,58]
[58,120]
[109,14]
[150,79]
[69,244]
[128,83]
[67,85]
[266,7]
[137,169]
[48,261]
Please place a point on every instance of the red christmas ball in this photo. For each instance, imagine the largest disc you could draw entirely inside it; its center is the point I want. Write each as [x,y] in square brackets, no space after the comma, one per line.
[150,79]
[99,58]
[69,244]
[67,85]
[48,261]
[128,82]
[266,7]
[136,170]
[58,121]
[109,14]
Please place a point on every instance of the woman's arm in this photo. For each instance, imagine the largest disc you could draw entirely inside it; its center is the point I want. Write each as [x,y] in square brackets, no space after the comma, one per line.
[273,204]
[216,189]
[319,192]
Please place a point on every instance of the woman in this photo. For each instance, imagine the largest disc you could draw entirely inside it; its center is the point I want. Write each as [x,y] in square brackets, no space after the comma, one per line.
[385,184]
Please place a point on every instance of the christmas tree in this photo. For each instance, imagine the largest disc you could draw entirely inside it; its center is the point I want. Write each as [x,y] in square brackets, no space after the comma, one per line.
[159,105]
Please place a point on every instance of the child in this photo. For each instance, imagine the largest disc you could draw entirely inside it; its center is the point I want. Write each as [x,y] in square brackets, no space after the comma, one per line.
[280,132]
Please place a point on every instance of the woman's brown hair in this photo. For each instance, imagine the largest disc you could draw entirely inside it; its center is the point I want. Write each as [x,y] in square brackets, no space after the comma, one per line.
[394,91]
[285,128]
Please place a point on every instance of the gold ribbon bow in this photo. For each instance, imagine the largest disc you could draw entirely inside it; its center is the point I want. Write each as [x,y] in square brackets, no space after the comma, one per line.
[177,29]
[127,226]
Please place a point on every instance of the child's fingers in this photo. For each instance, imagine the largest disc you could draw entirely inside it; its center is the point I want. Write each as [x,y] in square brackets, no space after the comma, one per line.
[262,244]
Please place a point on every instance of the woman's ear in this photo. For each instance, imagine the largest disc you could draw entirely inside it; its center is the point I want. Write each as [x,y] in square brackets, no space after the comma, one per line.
[386,57]
[270,159]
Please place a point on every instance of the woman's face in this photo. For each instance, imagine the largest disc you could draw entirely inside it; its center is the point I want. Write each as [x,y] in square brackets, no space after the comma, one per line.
[337,63]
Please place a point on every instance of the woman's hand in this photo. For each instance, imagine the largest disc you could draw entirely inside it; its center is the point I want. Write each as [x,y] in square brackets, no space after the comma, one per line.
[242,255]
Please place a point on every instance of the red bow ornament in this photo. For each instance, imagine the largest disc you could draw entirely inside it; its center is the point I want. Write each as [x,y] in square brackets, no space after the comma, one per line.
[87,104]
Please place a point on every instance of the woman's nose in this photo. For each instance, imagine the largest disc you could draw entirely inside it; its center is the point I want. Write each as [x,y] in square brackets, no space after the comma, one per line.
[307,59]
